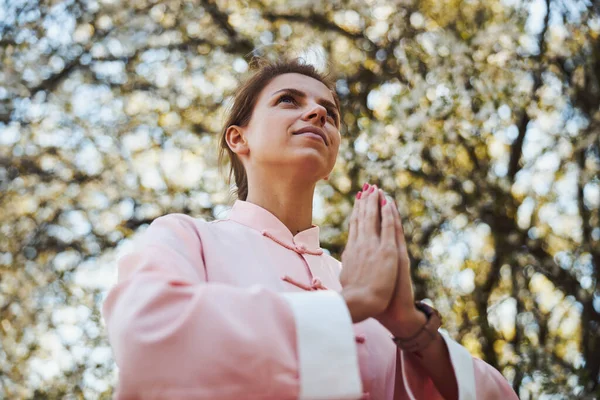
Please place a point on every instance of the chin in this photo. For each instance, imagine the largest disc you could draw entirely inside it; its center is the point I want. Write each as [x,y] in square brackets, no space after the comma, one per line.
[315,170]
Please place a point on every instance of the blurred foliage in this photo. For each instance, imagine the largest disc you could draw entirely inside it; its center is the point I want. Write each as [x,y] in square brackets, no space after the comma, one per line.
[482,118]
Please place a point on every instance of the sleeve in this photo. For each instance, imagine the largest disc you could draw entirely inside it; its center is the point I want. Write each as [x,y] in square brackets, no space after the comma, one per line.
[175,336]
[476,379]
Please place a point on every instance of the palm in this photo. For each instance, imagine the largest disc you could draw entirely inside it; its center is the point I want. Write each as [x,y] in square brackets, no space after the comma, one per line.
[402,302]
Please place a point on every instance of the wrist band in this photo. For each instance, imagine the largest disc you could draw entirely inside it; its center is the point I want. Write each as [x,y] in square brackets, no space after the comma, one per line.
[426,334]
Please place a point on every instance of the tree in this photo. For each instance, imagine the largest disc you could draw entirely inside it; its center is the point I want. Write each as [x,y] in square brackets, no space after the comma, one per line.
[482,120]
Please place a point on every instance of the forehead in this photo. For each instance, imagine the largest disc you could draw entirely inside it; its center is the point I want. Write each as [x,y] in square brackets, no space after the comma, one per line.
[306,84]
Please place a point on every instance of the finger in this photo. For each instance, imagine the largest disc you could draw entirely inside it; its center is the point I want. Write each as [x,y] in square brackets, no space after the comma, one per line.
[400,239]
[397,223]
[388,225]
[398,218]
[353,225]
[380,201]
[360,211]
[370,221]
[404,270]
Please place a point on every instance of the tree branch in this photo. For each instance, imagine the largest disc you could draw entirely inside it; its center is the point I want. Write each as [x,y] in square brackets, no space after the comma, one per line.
[516,150]
[222,20]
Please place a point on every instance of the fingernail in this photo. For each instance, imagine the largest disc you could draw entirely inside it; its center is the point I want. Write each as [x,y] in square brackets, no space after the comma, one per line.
[365,186]
[358,195]
[383,202]
[371,189]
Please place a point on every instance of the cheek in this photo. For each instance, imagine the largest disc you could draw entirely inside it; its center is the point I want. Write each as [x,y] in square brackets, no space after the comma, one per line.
[337,140]
[275,124]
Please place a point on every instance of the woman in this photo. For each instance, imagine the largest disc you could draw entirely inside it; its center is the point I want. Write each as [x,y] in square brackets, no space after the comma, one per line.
[251,308]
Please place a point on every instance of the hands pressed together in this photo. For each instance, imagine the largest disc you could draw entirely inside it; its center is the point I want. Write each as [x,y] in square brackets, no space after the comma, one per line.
[376,276]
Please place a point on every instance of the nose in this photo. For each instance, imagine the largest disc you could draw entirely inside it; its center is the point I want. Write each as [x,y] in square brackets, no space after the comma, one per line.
[317,115]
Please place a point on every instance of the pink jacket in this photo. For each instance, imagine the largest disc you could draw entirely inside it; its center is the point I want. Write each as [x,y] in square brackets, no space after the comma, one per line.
[235,309]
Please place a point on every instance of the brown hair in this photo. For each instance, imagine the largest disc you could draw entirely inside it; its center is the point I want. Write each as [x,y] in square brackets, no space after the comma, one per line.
[244,101]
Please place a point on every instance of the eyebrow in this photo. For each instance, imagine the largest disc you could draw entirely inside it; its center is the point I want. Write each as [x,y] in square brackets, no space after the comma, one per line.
[325,103]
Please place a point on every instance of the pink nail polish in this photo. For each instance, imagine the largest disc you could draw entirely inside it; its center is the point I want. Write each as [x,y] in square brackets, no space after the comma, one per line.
[371,189]
[358,195]
[383,202]
[365,187]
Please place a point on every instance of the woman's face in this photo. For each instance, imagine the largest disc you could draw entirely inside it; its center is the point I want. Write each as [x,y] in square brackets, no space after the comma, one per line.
[295,123]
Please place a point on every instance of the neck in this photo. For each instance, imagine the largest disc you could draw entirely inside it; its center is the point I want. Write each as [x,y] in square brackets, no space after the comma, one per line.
[290,201]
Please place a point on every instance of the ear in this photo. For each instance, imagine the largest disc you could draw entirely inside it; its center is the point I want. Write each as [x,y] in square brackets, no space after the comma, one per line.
[236,140]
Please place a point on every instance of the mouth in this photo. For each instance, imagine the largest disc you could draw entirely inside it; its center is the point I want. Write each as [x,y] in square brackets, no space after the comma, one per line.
[313,131]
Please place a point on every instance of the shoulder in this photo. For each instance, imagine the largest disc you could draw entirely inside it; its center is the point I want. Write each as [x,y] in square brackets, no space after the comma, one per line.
[174,228]
[176,222]
[171,242]
[183,225]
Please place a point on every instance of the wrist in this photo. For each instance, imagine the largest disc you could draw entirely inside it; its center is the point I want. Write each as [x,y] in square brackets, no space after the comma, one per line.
[356,307]
[408,325]
[427,334]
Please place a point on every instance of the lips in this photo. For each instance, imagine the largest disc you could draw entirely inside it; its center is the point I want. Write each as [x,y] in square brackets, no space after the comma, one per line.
[315,130]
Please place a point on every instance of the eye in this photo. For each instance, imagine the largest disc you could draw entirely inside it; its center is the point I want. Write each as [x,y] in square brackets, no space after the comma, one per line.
[287,98]
[332,114]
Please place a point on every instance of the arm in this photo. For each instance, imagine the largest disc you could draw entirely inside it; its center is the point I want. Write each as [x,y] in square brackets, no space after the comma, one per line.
[446,370]
[176,336]
[434,361]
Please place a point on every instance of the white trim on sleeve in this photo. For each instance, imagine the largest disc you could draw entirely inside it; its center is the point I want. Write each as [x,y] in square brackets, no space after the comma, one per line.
[462,362]
[326,346]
